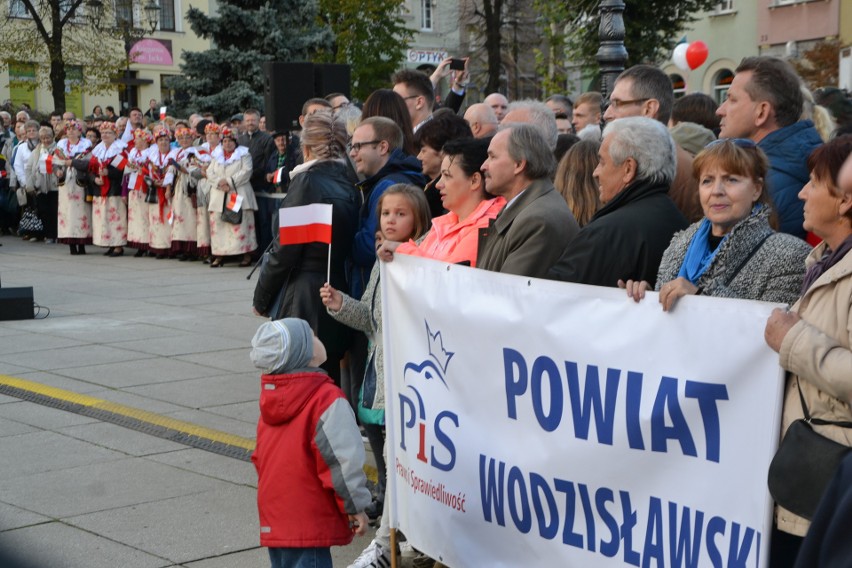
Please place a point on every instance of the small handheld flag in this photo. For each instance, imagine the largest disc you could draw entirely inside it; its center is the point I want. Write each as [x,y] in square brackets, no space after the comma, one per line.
[305,224]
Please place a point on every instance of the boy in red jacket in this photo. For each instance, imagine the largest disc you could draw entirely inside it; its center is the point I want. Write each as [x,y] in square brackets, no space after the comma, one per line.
[311,490]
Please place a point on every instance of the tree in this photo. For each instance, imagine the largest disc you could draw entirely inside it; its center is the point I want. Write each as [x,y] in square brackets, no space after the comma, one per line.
[229,77]
[652,27]
[369,36]
[819,66]
[57,33]
[491,15]
[550,61]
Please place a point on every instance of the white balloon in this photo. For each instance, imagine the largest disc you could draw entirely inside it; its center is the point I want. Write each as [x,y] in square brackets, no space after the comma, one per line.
[679,56]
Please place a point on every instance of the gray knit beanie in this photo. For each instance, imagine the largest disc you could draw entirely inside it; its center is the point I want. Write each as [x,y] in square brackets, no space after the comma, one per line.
[282,346]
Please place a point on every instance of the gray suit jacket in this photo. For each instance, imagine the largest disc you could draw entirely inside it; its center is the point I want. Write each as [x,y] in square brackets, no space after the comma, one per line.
[529,237]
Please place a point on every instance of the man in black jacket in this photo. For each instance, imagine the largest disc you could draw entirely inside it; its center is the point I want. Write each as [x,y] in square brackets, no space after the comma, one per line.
[262,148]
[626,238]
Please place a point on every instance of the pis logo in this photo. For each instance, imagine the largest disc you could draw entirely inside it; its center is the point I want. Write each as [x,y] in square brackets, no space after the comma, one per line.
[430,433]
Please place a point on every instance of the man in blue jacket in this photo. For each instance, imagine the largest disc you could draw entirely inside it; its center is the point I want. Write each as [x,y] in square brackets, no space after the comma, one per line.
[376,151]
[764,104]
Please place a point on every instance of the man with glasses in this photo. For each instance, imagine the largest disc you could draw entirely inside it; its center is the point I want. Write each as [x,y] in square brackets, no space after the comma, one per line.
[376,151]
[764,104]
[643,90]
[337,101]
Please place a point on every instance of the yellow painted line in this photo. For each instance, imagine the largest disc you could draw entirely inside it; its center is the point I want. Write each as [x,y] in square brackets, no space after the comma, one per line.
[130,412]
[143,416]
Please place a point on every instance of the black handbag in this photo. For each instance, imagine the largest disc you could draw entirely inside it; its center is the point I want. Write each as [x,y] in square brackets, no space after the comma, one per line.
[30,222]
[804,464]
[229,216]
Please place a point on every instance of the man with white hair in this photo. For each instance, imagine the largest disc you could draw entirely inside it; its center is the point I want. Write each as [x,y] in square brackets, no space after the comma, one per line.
[482,120]
[626,238]
[531,111]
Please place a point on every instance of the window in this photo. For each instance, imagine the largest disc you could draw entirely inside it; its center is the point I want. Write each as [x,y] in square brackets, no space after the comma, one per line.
[678,85]
[425,14]
[721,84]
[17,9]
[167,15]
[724,7]
[123,12]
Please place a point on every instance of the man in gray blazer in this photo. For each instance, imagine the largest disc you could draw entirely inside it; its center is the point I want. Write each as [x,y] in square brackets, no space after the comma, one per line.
[533,230]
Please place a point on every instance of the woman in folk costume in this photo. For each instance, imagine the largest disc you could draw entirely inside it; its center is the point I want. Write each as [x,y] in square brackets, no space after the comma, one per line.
[184,217]
[109,211]
[137,181]
[162,173]
[74,226]
[229,173]
[211,135]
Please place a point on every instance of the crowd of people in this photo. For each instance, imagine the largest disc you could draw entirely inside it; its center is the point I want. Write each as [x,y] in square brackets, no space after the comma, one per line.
[751,200]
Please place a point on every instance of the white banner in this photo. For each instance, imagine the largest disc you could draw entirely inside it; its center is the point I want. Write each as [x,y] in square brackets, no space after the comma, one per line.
[536,423]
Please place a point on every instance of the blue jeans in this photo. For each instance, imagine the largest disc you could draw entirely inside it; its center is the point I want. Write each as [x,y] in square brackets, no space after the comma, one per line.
[300,557]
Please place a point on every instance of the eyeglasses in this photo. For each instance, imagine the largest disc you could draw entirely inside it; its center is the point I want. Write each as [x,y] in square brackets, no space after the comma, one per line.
[615,103]
[738,142]
[410,97]
[356,146]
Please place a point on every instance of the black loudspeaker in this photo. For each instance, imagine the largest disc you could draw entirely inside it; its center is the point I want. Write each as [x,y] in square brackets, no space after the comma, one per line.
[16,303]
[332,78]
[288,86]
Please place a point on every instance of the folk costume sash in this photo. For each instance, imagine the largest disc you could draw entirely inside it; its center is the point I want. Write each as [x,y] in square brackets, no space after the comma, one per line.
[103,157]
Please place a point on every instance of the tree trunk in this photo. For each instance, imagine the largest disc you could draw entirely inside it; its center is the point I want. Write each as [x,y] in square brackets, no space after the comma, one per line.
[57,61]
[493,42]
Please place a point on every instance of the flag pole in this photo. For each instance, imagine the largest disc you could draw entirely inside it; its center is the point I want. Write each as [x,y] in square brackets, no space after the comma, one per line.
[328,274]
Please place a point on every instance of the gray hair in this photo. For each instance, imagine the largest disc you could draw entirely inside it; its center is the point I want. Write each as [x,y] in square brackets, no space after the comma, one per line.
[527,143]
[648,142]
[540,116]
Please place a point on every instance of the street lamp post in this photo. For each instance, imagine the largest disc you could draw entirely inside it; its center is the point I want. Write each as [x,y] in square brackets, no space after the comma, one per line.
[612,54]
[129,33]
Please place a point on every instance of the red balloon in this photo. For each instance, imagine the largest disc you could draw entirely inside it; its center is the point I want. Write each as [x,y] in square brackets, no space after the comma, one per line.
[696,54]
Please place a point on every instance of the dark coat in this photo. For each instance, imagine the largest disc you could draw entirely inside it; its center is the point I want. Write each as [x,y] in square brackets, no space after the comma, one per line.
[261,147]
[528,237]
[827,543]
[625,239]
[301,269]
[400,168]
[788,149]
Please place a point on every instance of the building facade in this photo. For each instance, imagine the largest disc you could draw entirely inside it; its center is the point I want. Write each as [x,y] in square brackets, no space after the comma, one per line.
[156,56]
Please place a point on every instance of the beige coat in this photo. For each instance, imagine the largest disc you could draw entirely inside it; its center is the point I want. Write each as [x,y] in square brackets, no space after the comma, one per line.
[36,180]
[818,350]
[237,172]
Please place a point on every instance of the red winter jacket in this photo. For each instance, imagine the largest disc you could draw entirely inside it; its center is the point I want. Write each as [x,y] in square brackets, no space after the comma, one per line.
[309,460]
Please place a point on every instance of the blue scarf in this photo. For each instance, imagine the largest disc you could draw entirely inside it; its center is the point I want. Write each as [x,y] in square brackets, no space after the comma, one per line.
[698,254]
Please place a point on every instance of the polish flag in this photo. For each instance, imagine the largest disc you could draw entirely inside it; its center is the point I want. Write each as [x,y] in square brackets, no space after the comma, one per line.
[280,173]
[306,224]
[119,162]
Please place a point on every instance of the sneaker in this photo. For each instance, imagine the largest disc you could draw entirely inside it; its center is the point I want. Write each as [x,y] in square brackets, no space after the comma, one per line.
[374,556]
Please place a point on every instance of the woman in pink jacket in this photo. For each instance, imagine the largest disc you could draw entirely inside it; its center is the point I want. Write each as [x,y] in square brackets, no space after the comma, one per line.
[454,236]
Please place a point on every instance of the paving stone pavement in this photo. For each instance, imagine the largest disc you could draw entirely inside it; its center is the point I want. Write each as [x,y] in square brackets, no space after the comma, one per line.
[161,336]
